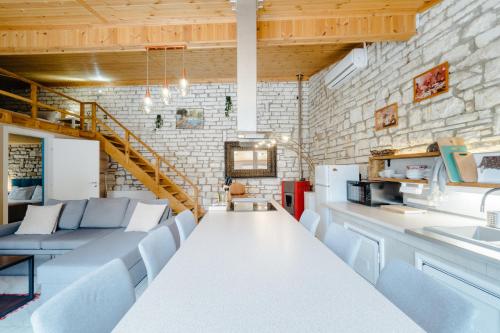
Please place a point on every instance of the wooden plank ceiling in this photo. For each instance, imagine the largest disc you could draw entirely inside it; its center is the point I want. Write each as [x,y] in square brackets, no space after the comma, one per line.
[103,41]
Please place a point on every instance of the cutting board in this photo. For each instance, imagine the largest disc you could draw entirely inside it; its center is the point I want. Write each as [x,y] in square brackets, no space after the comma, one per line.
[403,209]
[466,165]
[448,146]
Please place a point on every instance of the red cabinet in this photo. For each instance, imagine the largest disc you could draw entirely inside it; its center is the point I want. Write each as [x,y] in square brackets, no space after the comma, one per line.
[292,196]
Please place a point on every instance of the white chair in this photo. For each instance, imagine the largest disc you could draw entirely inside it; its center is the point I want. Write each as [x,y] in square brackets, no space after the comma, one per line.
[344,243]
[429,303]
[310,220]
[94,303]
[186,223]
[156,250]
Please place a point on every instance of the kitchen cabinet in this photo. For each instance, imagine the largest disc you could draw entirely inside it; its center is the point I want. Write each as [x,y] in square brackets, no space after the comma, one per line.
[369,260]
[483,294]
[475,279]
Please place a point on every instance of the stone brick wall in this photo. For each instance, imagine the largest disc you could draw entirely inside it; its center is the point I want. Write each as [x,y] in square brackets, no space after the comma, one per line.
[25,161]
[199,153]
[464,33]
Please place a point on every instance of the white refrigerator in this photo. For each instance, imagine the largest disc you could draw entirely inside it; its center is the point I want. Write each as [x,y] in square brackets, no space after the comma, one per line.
[331,186]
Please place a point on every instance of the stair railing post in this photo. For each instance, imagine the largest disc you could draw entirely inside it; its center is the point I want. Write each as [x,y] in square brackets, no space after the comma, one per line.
[157,173]
[127,146]
[34,101]
[196,202]
[94,117]
[82,116]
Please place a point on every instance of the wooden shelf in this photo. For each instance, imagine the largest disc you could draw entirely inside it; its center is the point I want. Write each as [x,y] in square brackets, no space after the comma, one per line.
[425,181]
[401,180]
[483,185]
[401,156]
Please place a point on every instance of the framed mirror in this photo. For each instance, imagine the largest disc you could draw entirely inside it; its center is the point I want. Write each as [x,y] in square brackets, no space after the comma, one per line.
[243,160]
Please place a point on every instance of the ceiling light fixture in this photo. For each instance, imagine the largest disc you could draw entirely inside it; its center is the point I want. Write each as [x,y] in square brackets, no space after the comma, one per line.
[165,91]
[183,82]
[148,102]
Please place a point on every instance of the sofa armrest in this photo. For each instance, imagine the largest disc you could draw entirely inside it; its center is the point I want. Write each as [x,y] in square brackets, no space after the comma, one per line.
[9,229]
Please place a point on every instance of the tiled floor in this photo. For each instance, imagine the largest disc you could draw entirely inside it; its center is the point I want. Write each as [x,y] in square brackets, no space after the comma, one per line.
[19,321]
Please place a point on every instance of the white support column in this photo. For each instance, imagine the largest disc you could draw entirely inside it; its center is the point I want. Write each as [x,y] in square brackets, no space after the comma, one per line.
[246,15]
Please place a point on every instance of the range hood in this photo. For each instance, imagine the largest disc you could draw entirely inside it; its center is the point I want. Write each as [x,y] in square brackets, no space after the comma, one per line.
[246,17]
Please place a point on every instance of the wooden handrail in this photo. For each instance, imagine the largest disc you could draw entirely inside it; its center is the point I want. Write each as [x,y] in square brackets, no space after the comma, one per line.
[38,104]
[151,150]
[20,78]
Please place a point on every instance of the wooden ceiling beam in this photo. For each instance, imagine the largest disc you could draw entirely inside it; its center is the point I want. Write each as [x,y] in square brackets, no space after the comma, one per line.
[91,10]
[297,31]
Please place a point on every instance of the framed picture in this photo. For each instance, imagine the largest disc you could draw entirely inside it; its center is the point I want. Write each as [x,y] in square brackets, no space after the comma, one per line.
[187,118]
[244,160]
[431,83]
[386,117]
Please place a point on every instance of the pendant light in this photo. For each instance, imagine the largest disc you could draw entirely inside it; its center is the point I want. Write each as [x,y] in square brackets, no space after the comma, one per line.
[183,82]
[165,91]
[148,102]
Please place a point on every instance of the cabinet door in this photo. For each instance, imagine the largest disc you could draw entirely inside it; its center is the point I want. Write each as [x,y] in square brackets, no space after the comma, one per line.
[368,262]
[484,295]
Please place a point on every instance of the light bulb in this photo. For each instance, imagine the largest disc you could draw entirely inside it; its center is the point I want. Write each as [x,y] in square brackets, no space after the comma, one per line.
[183,83]
[285,138]
[165,93]
[148,102]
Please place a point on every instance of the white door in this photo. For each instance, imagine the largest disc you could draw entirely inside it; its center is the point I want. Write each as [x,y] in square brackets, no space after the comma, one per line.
[322,174]
[74,169]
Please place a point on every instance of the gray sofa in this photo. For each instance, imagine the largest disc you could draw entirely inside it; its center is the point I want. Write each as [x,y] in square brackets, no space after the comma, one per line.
[90,233]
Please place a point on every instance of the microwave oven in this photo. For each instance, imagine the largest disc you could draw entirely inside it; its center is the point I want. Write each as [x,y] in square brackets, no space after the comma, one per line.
[374,193]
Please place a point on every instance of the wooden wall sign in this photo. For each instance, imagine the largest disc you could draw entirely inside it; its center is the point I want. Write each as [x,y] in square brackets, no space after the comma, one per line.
[431,83]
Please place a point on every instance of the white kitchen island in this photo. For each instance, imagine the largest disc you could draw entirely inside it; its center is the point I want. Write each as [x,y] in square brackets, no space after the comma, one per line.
[260,272]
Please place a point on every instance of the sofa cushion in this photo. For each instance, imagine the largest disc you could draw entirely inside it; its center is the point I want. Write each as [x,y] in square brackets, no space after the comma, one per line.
[74,238]
[133,203]
[40,220]
[73,265]
[25,242]
[104,213]
[71,214]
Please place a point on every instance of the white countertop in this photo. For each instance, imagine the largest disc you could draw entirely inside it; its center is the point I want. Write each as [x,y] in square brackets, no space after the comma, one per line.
[260,272]
[402,222]
[414,224]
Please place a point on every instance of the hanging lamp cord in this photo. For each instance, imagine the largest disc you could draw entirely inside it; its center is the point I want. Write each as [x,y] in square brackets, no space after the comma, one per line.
[147,68]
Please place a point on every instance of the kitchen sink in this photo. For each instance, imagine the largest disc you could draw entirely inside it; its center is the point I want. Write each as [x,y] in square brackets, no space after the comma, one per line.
[485,236]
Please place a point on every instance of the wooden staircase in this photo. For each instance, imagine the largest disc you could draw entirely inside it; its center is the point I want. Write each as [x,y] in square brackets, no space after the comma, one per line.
[153,170]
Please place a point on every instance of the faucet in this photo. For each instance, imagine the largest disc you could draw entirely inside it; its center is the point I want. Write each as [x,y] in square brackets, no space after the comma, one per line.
[492,218]
[483,201]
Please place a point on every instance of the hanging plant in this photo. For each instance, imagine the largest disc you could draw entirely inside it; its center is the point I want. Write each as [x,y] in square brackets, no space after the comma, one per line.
[158,122]
[229,106]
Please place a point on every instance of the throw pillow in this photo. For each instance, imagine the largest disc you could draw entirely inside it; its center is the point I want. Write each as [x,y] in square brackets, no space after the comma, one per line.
[22,193]
[37,194]
[145,217]
[133,203]
[39,220]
